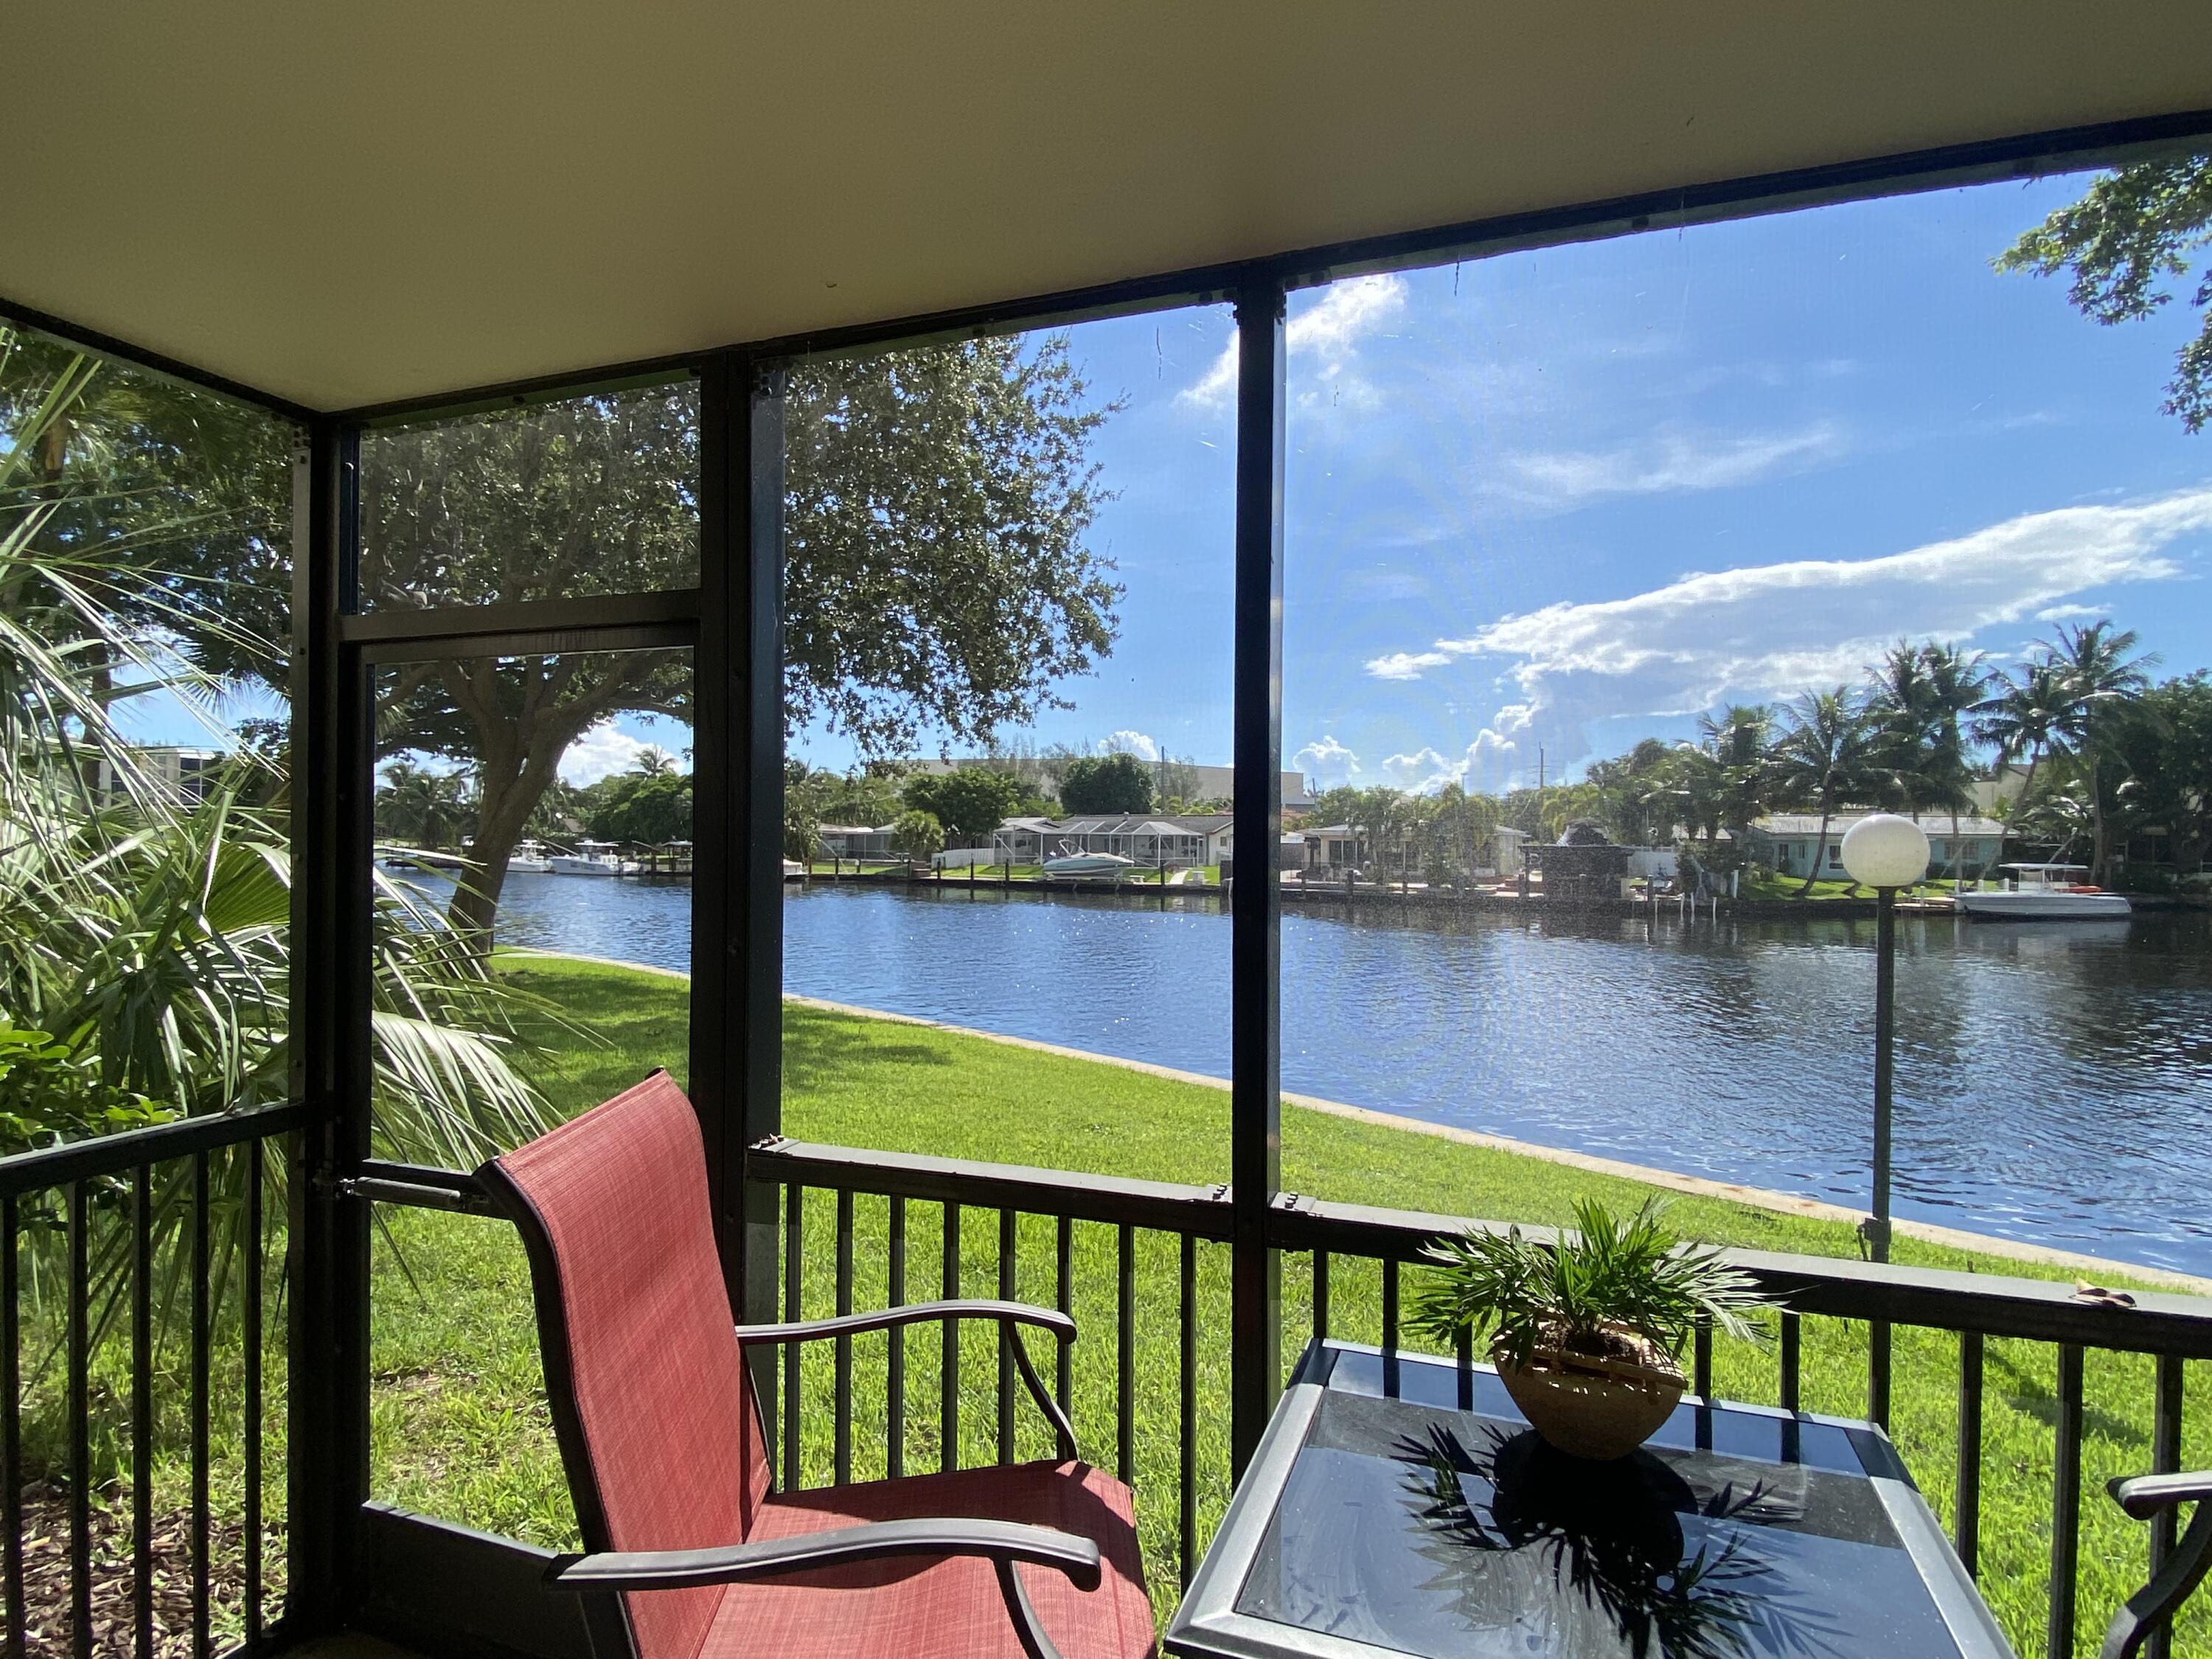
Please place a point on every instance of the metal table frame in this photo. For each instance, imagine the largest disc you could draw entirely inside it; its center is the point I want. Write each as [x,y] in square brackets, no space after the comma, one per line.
[1207,1625]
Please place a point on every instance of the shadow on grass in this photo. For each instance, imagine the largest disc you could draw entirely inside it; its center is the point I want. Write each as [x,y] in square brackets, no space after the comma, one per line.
[2036,1396]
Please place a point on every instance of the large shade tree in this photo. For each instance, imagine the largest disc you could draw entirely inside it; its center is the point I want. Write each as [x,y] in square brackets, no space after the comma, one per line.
[937,577]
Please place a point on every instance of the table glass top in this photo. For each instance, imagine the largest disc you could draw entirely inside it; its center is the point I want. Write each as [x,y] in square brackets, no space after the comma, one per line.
[1411,1524]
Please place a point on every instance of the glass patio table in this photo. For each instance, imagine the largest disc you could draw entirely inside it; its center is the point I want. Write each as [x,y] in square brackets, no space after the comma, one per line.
[1403,1506]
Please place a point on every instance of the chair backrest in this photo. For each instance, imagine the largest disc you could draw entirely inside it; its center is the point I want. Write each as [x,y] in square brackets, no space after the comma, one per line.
[655,1421]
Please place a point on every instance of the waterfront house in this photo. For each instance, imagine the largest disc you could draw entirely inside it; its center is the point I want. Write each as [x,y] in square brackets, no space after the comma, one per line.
[1791,843]
[1182,780]
[855,840]
[1180,840]
[1335,848]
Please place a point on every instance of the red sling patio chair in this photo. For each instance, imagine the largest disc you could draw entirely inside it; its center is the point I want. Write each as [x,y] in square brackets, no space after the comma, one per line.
[690,1552]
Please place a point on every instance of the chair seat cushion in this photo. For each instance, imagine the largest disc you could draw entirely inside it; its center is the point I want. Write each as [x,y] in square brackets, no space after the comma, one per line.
[923,1607]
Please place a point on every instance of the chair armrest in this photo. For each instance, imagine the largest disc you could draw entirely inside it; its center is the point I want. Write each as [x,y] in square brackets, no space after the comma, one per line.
[1001,1543]
[2144,1496]
[732,1564]
[1006,1315]
[915,1313]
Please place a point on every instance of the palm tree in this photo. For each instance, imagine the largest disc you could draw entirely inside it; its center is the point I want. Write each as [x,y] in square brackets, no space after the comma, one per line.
[653,761]
[2100,680]
[2023,719]
[1737,737]
[1957,681]
[1823,761]
[1904,720]
[153,939]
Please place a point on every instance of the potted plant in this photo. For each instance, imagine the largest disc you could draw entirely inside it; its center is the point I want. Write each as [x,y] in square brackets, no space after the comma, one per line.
[1586,1332]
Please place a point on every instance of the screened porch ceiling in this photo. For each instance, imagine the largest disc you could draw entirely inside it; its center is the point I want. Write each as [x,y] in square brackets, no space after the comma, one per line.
[346,205]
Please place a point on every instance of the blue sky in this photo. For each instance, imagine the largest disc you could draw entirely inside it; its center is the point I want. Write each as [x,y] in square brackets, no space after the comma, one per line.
[1573,497]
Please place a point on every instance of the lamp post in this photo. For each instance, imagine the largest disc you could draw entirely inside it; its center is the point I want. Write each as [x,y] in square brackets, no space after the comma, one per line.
[1884,851]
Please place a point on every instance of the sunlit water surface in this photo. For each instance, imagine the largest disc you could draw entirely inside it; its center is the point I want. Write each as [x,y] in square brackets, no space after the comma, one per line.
[2054,1079]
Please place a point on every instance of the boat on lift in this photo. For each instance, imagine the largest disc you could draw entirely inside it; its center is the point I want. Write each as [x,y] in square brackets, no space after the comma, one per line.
[1070,861]
[2045,892]
[529,858]
[591,858]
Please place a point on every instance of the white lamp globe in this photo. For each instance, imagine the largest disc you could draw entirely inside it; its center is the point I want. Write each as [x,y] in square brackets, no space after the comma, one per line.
[1885,850]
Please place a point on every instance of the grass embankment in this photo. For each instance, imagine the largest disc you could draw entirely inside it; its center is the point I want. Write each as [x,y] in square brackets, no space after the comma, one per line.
[460,1423]
[1752,887]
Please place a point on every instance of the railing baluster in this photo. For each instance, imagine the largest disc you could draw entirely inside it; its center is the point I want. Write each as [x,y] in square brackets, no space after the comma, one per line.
[80,1430]
[251,1336]
[2066,1503]
[1877,1346]
[895,1362]
[1063,1255]
[1701,1360]
[949,1371]
[1789,1344]
[794,1222]
[1187,1448]
[11,1431]
[1966,1531]
[1463,1352]
[1008,1227]
[841,1414]
[2165,1459]
[1125,1353]
[1391,1326]
[142,1411]
[1321,1295]
[201,1338]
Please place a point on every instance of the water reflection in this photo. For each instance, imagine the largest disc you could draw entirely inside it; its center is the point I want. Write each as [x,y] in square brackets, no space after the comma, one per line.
[2054,1081]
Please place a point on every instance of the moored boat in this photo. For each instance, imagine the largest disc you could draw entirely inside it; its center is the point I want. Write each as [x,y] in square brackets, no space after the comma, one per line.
[2045,892]
[529,858]
[591,858]
[1073,863]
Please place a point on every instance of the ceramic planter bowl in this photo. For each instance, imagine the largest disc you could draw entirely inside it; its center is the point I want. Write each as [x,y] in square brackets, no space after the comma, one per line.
[1594,1406]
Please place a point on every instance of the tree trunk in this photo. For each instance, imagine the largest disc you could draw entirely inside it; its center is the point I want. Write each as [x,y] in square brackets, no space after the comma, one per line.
[2097,855]
[1820,851]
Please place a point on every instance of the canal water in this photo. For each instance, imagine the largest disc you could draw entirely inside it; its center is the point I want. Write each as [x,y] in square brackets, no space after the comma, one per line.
[2054,1081]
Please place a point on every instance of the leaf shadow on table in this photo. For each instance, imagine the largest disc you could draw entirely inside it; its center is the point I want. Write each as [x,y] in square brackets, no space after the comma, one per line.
[1594,1556]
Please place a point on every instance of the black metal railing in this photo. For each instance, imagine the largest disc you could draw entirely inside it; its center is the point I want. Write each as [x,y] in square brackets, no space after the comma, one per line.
[1074,1242]
[135,1365]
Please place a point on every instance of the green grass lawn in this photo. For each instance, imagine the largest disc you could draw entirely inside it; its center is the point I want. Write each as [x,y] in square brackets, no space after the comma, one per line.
[459,1421]
[1763,886]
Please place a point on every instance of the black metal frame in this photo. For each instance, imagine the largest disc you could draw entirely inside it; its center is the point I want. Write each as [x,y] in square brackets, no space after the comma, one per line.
[733,621]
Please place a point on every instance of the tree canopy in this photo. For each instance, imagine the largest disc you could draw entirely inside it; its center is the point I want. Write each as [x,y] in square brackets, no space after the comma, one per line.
[970,802]
[2132,232]
[1106,783]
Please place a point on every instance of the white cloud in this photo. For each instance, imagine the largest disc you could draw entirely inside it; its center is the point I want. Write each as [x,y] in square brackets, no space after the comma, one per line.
[1666,463]
[1130,743]
[1329,333]
[2055,613]
[600,753]
[1328,762]
[1406,664]
[1774,630]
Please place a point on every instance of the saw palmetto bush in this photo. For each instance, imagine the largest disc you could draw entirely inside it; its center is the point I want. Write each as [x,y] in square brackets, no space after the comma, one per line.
[145,954]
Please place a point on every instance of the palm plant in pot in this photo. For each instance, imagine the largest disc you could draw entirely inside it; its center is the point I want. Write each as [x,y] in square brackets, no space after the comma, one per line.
[1587,1333]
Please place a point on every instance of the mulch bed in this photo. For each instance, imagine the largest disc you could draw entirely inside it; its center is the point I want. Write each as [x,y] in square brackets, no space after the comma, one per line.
[114,1591]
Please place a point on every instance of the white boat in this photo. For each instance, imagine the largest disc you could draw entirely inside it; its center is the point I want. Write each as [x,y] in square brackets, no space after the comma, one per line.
[529,858]
[1073,863]
[591,858]
[2045,892]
